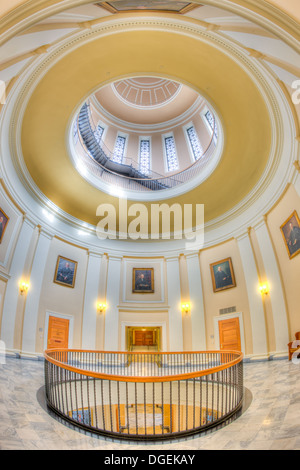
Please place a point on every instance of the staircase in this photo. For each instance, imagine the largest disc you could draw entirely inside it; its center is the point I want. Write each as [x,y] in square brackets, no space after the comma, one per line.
[105,161]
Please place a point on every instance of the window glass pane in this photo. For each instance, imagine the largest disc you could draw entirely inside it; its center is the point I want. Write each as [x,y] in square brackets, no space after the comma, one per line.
[75,133]
[195,143]
[212,123]
[145,156]
[119,149]
[98,133]
[172,161]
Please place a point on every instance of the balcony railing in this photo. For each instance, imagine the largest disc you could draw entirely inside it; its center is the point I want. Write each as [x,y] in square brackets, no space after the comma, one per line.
[127,175]
[144,396]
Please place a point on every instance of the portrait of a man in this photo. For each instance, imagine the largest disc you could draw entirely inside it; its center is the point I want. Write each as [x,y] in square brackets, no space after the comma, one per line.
[143,280]
[3,223]
[65,272]
[222,275]
[290,230]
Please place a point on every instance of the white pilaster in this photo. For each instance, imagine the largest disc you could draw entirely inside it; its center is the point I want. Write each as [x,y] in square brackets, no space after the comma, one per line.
[33,296]
[111,341]
[174,301]
[257,314]
[196,299]
[12,289]
[90,301]
[276,290]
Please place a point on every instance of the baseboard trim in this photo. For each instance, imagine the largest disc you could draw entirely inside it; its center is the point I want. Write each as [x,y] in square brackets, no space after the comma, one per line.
[272,356]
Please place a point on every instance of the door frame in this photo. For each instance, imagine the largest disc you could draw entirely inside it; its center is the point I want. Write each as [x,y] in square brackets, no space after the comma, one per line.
[62,316]
[144,324]
[228,316]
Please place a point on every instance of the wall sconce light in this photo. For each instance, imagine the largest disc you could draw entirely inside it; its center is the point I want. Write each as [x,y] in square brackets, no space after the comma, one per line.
[23,286]
[101,307]
[185,308]
[264,288]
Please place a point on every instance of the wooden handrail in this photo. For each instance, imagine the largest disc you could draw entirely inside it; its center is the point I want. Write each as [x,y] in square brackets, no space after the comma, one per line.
[124,378]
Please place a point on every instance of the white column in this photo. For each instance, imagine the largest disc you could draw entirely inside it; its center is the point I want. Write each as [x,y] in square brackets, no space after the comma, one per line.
[90,301]
[174,301]
[196,299]
[257,314]
[33,296]
[12,288]
[276,291]
[111,341]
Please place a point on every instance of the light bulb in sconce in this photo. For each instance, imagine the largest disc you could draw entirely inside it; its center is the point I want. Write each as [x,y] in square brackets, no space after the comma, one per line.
[186,307]
[101,307]
[264,288]
[23,286]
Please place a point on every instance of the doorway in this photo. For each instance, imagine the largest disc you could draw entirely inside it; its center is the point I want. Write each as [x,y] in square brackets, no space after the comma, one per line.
[229,334]
[58,333]
[143,338]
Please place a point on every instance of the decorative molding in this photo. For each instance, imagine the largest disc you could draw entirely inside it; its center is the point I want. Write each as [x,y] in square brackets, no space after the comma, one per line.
[4,276]
[262,78]
[165,126]
[297,165]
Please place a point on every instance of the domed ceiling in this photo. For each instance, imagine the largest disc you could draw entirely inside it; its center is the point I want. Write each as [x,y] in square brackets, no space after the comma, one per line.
[167,140]
[144,61]
[245,118]
[145,100]
[146,92]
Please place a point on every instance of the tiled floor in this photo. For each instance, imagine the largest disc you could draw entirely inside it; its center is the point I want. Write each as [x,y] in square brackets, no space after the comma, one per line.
[270,419]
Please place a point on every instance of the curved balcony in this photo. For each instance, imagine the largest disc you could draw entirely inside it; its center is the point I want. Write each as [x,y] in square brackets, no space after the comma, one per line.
[99,161]
[144,396]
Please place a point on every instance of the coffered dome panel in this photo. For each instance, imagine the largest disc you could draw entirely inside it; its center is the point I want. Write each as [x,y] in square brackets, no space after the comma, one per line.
[146,92]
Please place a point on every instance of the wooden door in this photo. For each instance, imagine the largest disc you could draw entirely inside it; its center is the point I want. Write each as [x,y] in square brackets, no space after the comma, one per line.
[143,338]
[58,333]
[138,338]
[149,338]
[229,334]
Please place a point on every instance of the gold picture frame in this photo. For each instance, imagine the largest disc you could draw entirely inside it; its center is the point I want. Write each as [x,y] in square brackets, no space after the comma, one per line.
[143,280]
[65,272]
[290,230]
[222,275]
[3,223]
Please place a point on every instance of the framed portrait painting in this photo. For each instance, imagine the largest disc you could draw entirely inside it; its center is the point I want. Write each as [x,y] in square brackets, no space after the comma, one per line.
[143,280]
[65,272]
[290,230]
[3,223]
[222,275]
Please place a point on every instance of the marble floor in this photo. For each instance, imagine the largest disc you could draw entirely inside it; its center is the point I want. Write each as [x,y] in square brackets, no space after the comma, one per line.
[270,418]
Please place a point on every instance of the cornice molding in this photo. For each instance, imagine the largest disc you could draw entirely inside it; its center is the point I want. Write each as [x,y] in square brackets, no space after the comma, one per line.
[164,126]
[262,13]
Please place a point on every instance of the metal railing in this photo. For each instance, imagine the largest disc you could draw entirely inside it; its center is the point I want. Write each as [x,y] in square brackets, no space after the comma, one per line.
[127,174]
[144,395]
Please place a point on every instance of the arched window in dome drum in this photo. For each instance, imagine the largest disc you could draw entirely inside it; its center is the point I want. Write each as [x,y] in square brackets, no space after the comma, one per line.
[212,124]
[172,161]
[98,133]
[75,133]
[119,149]
[144,160]
[195,142]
